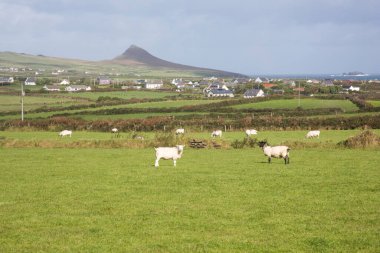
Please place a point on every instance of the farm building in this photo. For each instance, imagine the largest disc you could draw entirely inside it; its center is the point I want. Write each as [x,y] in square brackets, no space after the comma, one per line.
[254,93]
[30,81]
[77,88]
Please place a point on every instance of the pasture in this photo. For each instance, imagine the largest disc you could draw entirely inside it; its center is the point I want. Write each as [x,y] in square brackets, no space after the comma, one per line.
[114,200]
[12,103]
[306,103]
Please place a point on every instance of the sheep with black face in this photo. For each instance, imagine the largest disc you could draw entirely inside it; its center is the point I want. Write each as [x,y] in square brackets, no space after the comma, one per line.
[275,151]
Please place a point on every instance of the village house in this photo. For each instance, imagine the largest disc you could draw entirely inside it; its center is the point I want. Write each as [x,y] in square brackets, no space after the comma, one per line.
[327,82]
[103,80]
[6,80]
[65,82]
[78,88]
[268,85]
[220,93]
[312,81]
[30,81]
[51,88]
[154,84]
[289,82]
[350,88]
[253,93]
[262,80]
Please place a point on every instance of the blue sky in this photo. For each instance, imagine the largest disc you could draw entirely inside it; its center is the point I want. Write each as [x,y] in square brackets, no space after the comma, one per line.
[245,36]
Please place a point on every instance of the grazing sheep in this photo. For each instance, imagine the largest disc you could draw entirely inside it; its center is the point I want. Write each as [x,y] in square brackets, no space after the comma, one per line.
[166,153]
[312,134]
[65,133]
[137,137]
[216,133]
[276,151]
[180,131]
[115,132]
[250,132]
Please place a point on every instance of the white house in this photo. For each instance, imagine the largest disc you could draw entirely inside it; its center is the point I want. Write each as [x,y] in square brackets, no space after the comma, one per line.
[65,82]
[51,88]
[6,80]
[77,88]
[30,81]
[312,81]
[254,93]
[351,88]
[262,80]
[220,93]
[154,84]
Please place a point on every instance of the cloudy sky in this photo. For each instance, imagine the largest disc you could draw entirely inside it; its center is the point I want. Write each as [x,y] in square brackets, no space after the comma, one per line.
[245,36]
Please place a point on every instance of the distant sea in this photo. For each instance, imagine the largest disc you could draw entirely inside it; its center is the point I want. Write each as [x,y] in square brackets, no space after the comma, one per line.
[365,77]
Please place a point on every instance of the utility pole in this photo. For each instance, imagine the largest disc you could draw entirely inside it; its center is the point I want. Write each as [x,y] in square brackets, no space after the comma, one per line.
[299,93]
[22,102]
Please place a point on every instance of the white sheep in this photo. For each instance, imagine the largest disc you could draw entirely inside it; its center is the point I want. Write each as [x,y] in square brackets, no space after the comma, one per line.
[312,134]
[166,153]
[65,133]
[216,133]
[115,132]
[180,131]
[275,151]
[250,132]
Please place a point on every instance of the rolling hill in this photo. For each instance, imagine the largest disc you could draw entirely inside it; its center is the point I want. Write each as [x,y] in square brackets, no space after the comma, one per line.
[135,61]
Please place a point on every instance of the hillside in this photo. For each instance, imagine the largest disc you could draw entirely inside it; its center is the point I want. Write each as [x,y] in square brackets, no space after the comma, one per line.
[133,62]
[135,55]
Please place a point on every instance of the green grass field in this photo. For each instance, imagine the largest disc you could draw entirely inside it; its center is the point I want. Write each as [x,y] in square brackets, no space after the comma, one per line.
[274,137]
[345,105]
[121,94]
[12,103]
[114,200]
[375,103]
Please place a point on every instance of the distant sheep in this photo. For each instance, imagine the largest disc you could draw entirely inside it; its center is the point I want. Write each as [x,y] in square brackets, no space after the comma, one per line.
[166,153]
[137,137]
[115,132]
[216,133]
[312,134]
[276,151]
[65,133]
[180,131]
[250,132]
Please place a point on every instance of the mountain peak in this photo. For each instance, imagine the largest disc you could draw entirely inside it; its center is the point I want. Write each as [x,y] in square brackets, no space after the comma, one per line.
[135,55]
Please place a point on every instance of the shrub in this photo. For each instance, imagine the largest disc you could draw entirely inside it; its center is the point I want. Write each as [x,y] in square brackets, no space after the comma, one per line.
[366,139]
[246,142]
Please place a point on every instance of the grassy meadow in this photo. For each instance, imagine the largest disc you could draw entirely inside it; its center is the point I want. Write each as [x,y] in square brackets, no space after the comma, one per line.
[308,103]
[94,192]
[114,200]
